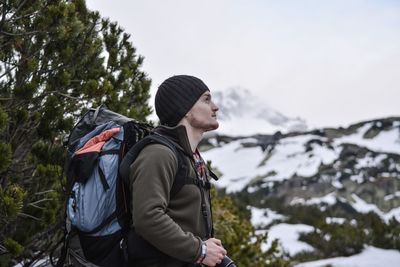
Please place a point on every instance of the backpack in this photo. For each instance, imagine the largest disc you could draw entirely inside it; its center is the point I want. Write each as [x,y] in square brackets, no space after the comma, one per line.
[97,216]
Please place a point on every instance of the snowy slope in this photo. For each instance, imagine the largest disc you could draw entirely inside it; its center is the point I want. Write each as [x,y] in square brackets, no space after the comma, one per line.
[288,235]
[370,257]
[244,165]
[385,141]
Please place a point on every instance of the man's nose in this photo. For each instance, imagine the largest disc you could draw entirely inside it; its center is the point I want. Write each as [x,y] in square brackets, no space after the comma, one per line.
[214,106]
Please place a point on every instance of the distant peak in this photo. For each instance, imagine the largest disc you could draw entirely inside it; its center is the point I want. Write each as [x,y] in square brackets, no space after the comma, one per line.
[242,113]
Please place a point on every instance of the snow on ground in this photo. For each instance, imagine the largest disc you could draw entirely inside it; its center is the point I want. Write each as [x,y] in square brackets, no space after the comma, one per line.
[363,207]
[369,161]
[392,213]
[370,257]
[337,184]
[391,196]
[385,141]
[332,220]
[329,199]
[263,217]
[289,157]
[358,204]
[288,235]
[238,165]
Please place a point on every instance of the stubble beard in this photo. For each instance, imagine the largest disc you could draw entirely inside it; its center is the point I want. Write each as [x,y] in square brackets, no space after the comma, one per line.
[205,126]
[213,126]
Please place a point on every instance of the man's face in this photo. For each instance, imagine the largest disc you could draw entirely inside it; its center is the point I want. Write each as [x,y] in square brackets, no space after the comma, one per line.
[203,115]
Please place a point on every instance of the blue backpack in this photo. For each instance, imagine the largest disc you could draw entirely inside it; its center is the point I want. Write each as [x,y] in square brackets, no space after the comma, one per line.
[97,216]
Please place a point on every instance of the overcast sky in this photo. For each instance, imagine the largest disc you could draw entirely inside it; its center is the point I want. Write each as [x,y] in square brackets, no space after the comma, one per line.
[330,62]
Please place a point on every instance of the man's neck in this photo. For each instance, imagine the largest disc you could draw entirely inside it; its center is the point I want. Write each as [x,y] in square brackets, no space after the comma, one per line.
[194,136]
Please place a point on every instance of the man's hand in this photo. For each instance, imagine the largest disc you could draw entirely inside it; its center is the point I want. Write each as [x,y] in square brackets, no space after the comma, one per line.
[215,252]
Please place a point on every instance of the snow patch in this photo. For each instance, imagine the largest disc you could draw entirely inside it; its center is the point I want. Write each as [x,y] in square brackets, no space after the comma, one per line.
[288,235]
[392,196]
[385,141]
[236,163]
[363,207]
[369,257]
[329,199]
[289,158]
[369,161]
[263,217]
[331,220]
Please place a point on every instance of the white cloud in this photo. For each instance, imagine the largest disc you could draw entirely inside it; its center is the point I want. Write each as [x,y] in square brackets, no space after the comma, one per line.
[330,62]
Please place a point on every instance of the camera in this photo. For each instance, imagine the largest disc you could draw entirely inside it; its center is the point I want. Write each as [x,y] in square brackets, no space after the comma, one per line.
[226,262]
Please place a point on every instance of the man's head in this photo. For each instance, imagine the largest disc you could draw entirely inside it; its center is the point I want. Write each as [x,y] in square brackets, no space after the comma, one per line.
[176,96]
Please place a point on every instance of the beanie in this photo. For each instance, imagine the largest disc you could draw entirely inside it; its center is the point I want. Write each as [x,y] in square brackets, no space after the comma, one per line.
[176,96]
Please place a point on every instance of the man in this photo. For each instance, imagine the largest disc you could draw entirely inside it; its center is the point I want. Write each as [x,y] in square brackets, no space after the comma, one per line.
[176,229]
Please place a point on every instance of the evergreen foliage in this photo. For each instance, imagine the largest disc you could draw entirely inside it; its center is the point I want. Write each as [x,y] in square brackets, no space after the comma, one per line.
[239,237]
[331,239]
[57,59]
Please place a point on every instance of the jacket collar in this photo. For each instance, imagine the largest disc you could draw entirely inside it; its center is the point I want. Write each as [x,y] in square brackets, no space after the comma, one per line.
[178,135]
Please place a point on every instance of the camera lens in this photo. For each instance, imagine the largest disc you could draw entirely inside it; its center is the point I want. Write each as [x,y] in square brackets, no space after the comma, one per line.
[226,262]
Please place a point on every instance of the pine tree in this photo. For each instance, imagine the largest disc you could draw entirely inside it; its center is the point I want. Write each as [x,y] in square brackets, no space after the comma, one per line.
[239,237]
[57,59]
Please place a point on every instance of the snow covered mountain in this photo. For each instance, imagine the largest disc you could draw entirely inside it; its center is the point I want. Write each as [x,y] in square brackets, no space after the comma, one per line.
[359,166]
[241,114]
[325,193]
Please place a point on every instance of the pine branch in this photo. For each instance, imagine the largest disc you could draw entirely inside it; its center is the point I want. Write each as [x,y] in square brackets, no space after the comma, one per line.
[10,63]
[3,17]
[35,206]
[51,232]
[44,192]
[40,201]
[24,16]
[24,215]
[66,95]
[3,250]
[18,9]
[8,71]
[21,34]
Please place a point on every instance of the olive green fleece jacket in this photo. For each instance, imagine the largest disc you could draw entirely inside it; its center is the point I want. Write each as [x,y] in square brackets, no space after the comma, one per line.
[174,226]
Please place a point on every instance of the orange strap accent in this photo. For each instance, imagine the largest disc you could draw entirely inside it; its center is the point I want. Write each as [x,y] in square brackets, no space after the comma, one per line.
[96,143]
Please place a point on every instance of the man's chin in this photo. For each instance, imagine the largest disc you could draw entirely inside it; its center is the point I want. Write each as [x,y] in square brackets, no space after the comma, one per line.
[214,126]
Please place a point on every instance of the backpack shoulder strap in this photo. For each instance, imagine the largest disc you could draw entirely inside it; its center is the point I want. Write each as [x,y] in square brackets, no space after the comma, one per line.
[132,154]
[183,170]
[181,175]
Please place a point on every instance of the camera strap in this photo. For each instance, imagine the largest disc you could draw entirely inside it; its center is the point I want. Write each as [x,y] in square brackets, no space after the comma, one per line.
[207,222]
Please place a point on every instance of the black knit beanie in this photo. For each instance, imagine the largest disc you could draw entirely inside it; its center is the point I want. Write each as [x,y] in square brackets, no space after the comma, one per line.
[176,96]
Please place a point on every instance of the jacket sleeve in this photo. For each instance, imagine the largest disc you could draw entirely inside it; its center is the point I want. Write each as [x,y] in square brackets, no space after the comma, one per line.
[152,175]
